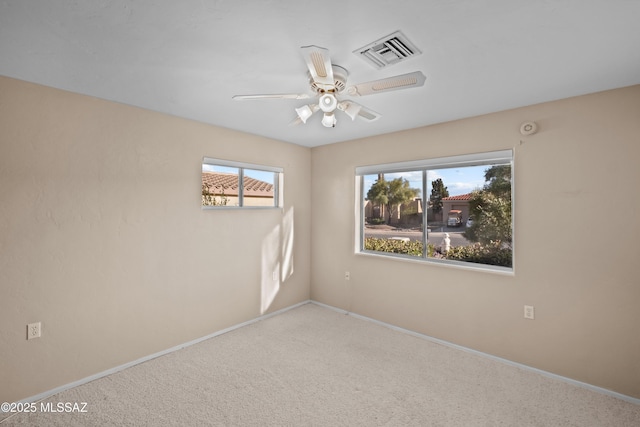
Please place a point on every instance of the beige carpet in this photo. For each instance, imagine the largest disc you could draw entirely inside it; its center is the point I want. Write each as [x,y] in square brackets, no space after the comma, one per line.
[312,366]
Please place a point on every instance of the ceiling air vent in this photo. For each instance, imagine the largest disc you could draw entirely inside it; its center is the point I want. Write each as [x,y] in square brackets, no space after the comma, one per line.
[388,50]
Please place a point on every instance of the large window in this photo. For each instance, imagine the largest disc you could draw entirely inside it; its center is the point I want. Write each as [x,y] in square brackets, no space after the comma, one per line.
[228,184]
[453,210]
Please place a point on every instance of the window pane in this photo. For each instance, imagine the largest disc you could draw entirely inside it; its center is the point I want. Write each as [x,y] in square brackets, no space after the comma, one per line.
[469,214]
[259,188]
[392,209]
[219,186]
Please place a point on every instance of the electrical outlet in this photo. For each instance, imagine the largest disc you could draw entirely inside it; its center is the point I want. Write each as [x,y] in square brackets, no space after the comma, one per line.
[347,275]
[34,330]
[528,312]
[274,276]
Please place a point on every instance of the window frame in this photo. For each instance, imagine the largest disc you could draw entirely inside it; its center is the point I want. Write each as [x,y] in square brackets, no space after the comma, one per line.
[278,181]
[478,159]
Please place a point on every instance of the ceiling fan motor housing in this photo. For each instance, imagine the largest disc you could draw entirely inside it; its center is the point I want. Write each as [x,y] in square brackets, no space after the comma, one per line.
[340,75]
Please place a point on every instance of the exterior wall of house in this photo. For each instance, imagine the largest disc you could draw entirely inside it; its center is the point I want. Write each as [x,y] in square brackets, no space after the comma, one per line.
[230,200]
[407,214]
[411,213]
[253,201]
[103,238]
[249,201]
[461,205]
[585,289]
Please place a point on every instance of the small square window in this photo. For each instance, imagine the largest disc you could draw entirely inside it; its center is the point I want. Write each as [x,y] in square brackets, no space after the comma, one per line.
[227,184]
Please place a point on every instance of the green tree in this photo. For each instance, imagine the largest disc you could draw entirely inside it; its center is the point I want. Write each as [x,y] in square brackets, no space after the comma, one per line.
[498,180]
[438,192]
[377,194]
[491,208]
[391,194]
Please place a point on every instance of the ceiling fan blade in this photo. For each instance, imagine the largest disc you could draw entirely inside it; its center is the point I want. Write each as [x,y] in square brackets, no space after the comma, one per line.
[273,96]
[353,110]
[296,121]
[403,81]
[368,115]
[319,64]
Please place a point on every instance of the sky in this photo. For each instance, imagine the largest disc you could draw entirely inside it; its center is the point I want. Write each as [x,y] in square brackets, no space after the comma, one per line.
[458,181]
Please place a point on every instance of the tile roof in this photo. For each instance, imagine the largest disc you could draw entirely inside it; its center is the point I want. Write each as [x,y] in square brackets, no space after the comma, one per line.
[459,197]
[218,181]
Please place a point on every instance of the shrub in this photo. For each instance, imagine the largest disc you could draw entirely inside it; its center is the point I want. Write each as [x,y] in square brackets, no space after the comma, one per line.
[413,248]
[493,253]
[376,221]
[212,199]
[393,246]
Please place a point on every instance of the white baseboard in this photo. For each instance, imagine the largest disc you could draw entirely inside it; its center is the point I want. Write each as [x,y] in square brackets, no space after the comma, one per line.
[44,395]
[496,358]
[82,381]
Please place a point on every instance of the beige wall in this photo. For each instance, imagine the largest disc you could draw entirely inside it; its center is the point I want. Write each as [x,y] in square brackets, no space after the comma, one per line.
[579,272]
[103,239]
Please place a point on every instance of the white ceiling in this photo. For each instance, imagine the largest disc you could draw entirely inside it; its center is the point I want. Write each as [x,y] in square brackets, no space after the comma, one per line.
[189,57]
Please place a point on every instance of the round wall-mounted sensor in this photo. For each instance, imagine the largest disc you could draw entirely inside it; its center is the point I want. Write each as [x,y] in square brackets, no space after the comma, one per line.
[528,128]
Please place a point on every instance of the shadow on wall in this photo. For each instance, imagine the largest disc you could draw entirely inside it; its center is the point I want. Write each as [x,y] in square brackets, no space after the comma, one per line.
[277,260]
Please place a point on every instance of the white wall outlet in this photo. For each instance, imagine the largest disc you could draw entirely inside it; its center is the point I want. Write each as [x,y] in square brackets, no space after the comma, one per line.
[34,330]
[528,312]
[274,276]
[347,275]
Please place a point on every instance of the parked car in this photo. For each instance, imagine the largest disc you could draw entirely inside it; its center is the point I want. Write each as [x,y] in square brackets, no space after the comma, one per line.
[454,218]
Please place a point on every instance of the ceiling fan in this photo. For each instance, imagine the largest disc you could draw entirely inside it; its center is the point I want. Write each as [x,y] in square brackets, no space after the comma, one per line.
[329,83]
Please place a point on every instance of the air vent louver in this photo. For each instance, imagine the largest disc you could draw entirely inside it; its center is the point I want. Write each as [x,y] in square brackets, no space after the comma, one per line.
[388,50]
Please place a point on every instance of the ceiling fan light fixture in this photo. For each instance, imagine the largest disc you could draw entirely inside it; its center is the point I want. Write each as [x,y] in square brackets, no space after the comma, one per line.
[304,112]
[352,109]
[328,103]
[329,120]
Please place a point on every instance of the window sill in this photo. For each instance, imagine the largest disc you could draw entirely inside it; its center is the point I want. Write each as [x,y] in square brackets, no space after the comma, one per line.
[460,265]
[244,208]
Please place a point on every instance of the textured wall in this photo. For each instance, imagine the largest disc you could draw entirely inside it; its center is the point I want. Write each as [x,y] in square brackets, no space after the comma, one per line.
[578,268]
[103,240]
